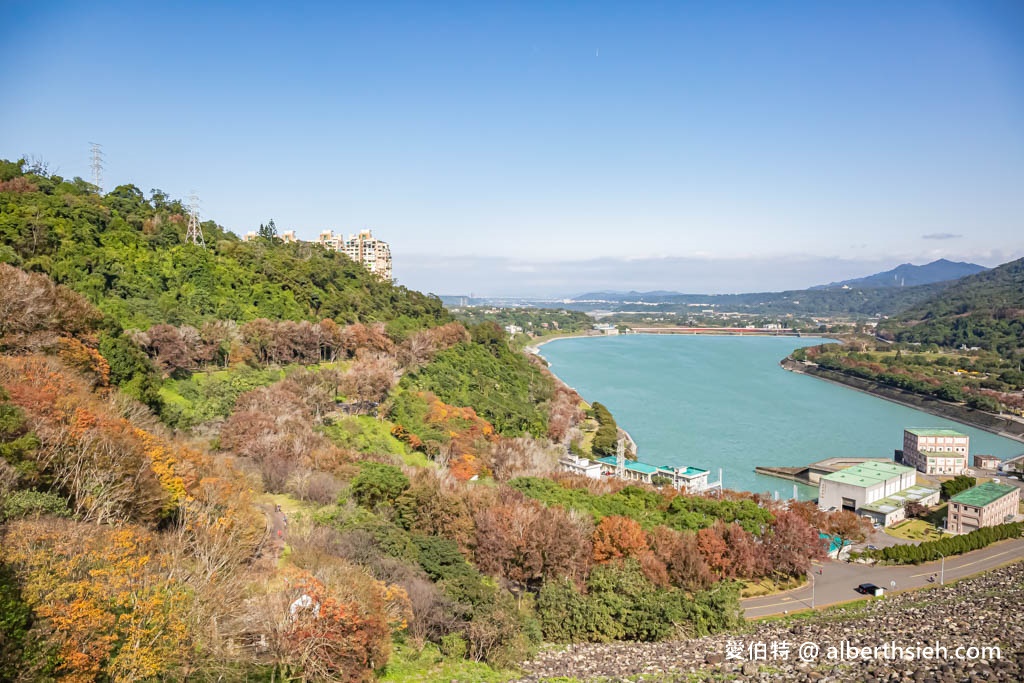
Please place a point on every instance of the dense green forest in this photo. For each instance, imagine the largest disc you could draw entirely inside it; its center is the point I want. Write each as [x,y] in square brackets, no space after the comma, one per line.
[964,345]
[126,254]
[985,310]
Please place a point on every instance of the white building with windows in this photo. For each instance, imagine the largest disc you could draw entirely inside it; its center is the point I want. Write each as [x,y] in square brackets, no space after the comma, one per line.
[936,451]
[582,466]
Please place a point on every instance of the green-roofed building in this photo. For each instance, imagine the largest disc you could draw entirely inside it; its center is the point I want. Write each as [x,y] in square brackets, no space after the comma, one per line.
[936,451]
[984,505]
[689,479]
[878,490]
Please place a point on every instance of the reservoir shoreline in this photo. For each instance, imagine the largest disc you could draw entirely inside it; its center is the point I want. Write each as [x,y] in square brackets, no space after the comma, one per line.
[994,424]
[728,404]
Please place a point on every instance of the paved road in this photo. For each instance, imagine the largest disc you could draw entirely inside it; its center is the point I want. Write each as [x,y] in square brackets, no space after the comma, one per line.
[838,580]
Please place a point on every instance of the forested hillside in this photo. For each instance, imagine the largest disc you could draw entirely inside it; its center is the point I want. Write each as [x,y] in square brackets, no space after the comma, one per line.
[984,310]
[855,302]
[126,254]
[963,346]
[258,462]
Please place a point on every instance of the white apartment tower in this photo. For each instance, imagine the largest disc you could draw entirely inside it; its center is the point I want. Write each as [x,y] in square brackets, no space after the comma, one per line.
[364,248]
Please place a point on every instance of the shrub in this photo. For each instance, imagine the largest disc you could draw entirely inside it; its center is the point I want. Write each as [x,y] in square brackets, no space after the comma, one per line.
[34,503]
[453,645]
[621,604]
[957,484]
[378,483]
[929,551]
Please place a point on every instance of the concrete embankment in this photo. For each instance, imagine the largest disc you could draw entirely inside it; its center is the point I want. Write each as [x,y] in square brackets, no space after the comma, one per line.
[797,474]
[996,424]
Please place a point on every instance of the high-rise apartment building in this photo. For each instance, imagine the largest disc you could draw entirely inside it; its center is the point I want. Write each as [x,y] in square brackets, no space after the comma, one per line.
[364,248]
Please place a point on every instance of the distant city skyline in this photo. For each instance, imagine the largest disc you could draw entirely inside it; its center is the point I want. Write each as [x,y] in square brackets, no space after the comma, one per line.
[546,149]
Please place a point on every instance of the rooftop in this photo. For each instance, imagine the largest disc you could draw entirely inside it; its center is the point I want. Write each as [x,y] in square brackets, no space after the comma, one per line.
[898,500]
[936,432]
[634,465]
[983,494]
[868,473]
[683,471]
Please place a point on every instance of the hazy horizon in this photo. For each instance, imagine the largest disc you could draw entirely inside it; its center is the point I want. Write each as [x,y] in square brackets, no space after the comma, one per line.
[505,278]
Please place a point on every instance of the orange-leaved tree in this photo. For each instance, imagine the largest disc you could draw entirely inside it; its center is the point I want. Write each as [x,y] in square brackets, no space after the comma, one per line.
[618,537]
[102,596]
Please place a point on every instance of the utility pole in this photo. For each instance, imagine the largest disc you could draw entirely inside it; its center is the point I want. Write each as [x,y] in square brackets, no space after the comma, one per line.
[620,459]
[97,165]
[195,233]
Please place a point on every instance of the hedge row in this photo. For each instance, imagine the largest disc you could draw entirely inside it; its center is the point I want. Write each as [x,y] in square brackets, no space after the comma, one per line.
[951,545]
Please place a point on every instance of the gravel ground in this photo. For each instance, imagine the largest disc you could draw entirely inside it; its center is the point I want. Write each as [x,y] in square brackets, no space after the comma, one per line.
[983,611]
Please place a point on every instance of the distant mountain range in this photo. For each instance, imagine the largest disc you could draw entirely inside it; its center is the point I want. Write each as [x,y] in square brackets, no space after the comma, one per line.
[882,294]
[908,275]
[905,275]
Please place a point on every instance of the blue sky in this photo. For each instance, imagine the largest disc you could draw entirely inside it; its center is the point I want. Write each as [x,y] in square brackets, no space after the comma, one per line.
[550,148]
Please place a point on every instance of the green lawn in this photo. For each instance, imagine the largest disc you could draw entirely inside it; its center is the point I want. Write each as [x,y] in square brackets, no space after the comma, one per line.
[766,586]
[914,530]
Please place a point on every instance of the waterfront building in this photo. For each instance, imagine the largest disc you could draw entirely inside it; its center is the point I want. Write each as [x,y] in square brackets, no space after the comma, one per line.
[363,248]
[936,451]
[986,462]
[688,479]
[581,466]
[605,328]
[984,505]
[878,490]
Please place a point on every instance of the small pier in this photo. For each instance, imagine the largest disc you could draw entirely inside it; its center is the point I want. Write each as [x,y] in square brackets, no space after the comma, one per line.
[812,474]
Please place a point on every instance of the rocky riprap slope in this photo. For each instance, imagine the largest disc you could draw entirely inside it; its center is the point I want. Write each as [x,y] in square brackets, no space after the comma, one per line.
[983,611]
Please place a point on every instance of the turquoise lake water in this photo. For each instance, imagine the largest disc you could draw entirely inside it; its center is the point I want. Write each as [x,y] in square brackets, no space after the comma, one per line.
[724,402]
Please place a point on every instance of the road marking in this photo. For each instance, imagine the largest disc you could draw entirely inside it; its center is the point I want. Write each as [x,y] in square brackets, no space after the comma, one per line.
[777,604]
[968,564]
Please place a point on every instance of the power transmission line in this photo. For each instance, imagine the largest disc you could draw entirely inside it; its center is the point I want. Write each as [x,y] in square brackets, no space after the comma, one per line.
[97,165]
[195,232]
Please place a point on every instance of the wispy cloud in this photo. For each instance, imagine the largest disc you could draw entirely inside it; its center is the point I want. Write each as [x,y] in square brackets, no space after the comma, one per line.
[941,236]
